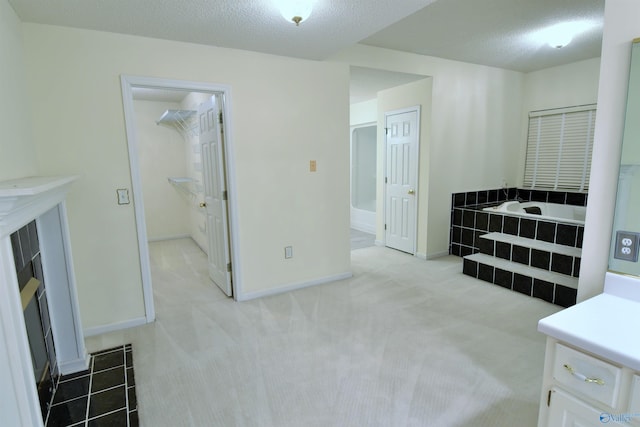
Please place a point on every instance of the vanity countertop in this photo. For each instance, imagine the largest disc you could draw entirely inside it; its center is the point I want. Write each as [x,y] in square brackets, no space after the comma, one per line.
[606,325]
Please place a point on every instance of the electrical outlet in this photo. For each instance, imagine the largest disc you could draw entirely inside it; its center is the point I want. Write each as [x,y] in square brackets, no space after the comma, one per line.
[626,248]
[288,252]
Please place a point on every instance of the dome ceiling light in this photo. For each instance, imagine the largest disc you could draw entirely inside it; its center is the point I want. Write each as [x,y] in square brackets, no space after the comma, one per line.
[295,11]
[560,35]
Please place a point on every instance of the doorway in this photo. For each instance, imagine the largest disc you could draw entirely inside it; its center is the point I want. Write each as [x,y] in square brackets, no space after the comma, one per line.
[364,149]
[190,184]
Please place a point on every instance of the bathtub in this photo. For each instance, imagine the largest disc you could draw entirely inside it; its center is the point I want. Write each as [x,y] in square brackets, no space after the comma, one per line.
[540,210]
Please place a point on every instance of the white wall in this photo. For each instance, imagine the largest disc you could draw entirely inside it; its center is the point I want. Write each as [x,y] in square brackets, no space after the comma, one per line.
[17,155]
[409,95]
[162,154]
[280,122]
[17,160]
[475,132]
[620,28]
[363,112]
[562,86]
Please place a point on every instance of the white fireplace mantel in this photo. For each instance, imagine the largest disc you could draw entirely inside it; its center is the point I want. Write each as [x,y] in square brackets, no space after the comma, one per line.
[21,201]
[27,198]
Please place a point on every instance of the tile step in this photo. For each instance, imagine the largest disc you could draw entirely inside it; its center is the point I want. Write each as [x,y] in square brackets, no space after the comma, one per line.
[534,244]
[525,270]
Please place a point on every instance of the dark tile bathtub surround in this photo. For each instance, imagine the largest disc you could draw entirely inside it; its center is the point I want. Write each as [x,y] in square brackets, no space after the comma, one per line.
[558,263]
[469,222]
[511,225]
[540,259]
[467,213]
[528,228]
[546,231]
[503,250]
[554,293]
[520,254]
[566,234]
[522,284]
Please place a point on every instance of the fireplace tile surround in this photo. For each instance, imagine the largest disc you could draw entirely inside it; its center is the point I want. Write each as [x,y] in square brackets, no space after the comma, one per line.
[103,395]
[28,265]
[22,201]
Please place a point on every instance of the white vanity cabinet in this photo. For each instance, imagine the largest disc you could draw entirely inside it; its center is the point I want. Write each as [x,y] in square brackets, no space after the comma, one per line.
[580,389]
[592,361]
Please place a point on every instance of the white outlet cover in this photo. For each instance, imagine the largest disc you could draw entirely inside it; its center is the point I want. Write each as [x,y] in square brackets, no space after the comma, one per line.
[627,246]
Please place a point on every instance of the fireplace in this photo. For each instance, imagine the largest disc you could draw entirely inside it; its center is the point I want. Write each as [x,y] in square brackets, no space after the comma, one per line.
[35,208]
[33,296]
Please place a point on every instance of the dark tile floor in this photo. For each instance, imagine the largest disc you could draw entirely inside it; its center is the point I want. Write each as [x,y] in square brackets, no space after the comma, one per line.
[104,395]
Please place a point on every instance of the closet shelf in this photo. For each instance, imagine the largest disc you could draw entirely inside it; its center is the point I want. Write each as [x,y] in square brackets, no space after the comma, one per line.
[180,180]
[182,184]
[181,120]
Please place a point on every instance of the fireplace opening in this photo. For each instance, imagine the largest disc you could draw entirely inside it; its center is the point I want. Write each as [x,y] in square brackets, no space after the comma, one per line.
[31,282]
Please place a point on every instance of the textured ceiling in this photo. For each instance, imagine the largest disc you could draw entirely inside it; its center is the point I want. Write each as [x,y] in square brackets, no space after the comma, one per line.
[255,25]
[489,32]
[498,33]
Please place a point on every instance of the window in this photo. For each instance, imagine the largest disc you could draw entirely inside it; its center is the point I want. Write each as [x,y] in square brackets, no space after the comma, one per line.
[559,148]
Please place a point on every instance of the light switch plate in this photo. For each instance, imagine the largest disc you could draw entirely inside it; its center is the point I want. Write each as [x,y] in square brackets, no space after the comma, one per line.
[312,166]
[626,248]
[123,196]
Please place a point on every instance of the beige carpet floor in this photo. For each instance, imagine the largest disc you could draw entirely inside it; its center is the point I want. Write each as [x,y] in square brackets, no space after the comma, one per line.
[405,342]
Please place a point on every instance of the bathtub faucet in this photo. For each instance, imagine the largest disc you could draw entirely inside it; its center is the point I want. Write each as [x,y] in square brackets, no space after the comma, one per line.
[517,198]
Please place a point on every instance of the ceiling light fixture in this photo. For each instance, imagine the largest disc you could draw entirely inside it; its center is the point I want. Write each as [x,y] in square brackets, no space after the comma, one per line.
[295,11]
[560,35]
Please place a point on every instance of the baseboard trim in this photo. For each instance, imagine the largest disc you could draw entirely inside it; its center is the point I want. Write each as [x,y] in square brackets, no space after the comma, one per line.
[379,243]
[437,255]
[421,255]
[295,286]
[99,330]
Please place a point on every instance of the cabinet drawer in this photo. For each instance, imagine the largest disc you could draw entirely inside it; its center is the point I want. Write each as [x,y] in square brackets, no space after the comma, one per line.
[587,375]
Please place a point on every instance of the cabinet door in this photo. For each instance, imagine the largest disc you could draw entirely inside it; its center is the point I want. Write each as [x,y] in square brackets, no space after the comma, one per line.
[568,411]
[634,400]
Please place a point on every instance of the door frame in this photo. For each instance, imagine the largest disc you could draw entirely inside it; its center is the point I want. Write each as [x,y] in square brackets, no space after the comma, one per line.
[127,84]
[417,109]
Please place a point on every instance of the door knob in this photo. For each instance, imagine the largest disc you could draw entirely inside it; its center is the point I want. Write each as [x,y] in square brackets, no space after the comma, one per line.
[203,205]
[412,191]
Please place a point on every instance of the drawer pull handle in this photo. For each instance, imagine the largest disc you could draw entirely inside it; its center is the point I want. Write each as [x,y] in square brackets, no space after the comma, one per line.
[583,377]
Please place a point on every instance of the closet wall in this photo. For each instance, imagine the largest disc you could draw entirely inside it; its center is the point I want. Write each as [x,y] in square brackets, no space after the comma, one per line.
[162,154]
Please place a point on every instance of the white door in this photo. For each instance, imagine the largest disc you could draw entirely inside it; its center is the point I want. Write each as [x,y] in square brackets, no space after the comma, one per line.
[215,194]
[401,180]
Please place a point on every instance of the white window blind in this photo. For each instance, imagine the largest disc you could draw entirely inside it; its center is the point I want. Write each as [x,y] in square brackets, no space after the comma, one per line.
[559,147]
